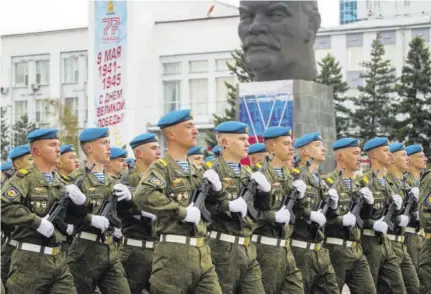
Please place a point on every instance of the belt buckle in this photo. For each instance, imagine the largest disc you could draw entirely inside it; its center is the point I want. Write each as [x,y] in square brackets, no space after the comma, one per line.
[317,247]
[246,241]
[287,243]
[108,240]
[354,244]
[55,251]
[402,239]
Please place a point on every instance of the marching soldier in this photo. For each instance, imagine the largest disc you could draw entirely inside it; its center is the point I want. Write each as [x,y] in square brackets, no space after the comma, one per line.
[342,234]
[6,171]
[93,256]
[182,260]
[231,226]
[38,264]
[257,153]
[136,252]
[418,163]
[117,163]
[272,236]
[313,260]
[377,248]
[425,220]
[196,156]
[68,161]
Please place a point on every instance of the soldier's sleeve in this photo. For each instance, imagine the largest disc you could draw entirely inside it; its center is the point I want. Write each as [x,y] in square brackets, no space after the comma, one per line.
[150,195]
[14,213]
[425,203]
[334,215]
[212,194]
[302,207]
[367,210]
[83,212]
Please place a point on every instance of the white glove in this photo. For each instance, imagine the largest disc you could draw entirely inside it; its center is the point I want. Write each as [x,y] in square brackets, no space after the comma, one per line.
[301,187]
[193,215]
[398,201]
[238,205]
[282,216]
[75,194]
[212,176]
[45,228]
[334,197]
[349,220]
[99,222]
[117,233]
[149,215]
[261,180]
[318,217]
[368,195]
[122,192]
[380,226]
[69,229]
[415,192]
[403,220]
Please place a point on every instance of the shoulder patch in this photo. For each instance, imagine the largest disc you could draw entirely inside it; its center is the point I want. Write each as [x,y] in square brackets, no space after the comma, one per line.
[427,200]
[365,180]
[209,164]
[330,180]
[296,171]
[161,163]
[10,194]
[22,173]
[258,165]
[155,181]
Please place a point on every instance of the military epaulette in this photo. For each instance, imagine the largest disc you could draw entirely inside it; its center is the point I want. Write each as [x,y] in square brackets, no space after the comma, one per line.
[209,164]
[258,165]
[162,163]
[296,171]
[330,180]
[365,180]
[22,173]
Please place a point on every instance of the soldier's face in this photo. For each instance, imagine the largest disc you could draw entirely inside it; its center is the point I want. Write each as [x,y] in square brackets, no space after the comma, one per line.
[317,151]
[117,165]
[48,150]
[418,160]
[383,155]
[101,150]
[186,134]
[69,162]
[236,145]
[283,148]
[352,158]
[148,152]
[257,157]
[197,159]
[24,162]
[401,160]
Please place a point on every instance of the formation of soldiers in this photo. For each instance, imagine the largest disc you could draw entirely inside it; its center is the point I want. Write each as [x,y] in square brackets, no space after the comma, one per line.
[185,224]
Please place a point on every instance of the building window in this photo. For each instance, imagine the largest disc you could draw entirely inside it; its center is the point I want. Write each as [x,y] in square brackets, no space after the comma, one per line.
[42,72]
[221,64]
[21,74]
[222,93]
[348,11]
[199,96]
[198,66]
[72,105]
[41,111]
[171,95]
[20,109]
[171,68]
[71,70]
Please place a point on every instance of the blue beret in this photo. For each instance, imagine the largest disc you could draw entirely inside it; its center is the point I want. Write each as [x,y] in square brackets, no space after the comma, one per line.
[118,152]
[412,149]
[6,166]
[296,158]
[344,143]
[42,134]
[66,148]
[195,150]
[143,139]
[256,148]
[130,161]
[275,132]
[174,117]
[216,150]
[209,158]
[307,139]
[232,127]
[19,151]
[375,142]
[395,147]
[92,134]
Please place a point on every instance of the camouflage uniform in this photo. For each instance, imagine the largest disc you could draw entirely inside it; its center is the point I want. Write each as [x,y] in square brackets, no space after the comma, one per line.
[7,248]
[350,265]
[315,264]
[27,197]
[182,261]
[136,252]
[425,219]
[278,266]
[235,258]
[411,280]
[378,249]
[92,261]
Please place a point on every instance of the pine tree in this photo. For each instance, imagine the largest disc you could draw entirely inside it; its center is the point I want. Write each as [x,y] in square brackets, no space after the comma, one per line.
[21,129]
[331,74]
[374,115]
[414,90]
[243,75]
[5,135]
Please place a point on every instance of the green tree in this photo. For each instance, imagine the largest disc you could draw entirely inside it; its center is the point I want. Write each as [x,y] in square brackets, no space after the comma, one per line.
[5,135]
[243,75]
[414,90]
[331,74]
[374,113]
[21,129]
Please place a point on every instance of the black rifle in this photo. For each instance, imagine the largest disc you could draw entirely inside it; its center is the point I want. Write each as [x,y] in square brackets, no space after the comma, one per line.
[248,193]
[109,210]
[390,213]
[411,199]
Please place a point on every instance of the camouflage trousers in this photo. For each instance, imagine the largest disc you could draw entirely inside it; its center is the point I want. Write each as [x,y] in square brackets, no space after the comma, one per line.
[237,268]
[32,272]
[351,268]
[6,256]
[425,268]
[279,271]
[318,274]
[383,263]
[137,263]
[97,264]
[182,268]
[414,242]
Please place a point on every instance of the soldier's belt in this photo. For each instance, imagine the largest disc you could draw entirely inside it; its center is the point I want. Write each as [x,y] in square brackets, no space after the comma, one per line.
[368,232]
[428,236]
[396,238]
[39,249]
[9,241]
[411,230]
[197,242]
[245,241]
[306,245]
[94,237]
[270,241]
[138,243]
[341,242]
